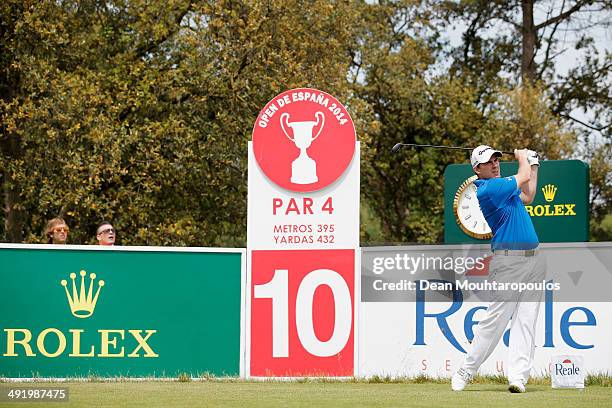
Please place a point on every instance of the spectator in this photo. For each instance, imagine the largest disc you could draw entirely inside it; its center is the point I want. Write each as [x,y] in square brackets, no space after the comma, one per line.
[57,231]
[105,234]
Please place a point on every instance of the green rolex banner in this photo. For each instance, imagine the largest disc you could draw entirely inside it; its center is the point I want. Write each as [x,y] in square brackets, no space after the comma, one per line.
[560,210]
[79,311]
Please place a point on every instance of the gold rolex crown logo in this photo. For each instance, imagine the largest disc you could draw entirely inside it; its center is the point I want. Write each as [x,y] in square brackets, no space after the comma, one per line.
[82,305]
[549,191]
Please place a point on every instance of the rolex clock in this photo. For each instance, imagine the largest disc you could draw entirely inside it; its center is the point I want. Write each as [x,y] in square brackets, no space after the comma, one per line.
[467,211]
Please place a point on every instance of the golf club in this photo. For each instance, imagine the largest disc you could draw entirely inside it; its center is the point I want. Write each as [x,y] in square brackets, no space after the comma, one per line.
[400,145]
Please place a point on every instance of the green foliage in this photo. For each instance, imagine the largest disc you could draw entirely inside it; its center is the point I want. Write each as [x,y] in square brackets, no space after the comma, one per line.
[601,191]
[602,230]
[479,99]
[369,226]
[139,112]
[523,118]
[184,377]
[559,111]
[407,103]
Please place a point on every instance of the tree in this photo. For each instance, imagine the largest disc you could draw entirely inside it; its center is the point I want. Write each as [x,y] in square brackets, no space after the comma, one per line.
[601,190]
[408,102]
[415,95]
[578,98]
[139,112]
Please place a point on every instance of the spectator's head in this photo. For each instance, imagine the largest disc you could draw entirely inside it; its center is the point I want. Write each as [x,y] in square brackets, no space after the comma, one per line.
[105,234]
[57,231]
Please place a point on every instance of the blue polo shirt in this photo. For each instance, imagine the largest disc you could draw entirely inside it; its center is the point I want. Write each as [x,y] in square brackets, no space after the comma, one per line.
[501,205]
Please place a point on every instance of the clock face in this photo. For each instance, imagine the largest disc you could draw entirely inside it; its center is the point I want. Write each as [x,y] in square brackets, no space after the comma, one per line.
[467,211]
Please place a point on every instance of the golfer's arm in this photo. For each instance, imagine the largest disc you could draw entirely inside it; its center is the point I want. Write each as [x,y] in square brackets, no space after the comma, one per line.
[524,172]
[528,189]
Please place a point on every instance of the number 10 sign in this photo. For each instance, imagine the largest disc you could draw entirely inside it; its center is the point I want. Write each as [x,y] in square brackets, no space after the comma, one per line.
[302,306]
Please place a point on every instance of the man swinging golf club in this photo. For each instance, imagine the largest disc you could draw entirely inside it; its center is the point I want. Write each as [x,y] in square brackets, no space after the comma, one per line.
[515,258]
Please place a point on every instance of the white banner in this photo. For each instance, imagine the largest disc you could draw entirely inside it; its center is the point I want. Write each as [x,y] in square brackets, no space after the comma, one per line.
[407,331]
[398,339]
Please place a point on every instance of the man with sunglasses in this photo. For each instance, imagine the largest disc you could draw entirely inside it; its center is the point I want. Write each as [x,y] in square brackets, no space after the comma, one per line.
[57,231]
[105,234]
[515,259]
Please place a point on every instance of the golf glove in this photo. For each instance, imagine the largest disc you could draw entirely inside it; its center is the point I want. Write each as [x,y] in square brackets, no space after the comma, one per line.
[533,158]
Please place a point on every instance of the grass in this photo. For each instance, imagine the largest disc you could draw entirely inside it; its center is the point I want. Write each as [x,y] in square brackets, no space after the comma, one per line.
[316,393]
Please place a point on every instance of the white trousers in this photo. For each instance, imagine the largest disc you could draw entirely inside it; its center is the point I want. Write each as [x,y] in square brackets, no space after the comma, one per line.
[519,308]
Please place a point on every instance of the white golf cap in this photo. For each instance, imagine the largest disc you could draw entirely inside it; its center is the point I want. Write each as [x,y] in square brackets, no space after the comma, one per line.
[482,154]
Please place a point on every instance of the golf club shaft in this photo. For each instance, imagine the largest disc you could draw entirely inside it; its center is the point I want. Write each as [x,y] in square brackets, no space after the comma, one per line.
[399,145]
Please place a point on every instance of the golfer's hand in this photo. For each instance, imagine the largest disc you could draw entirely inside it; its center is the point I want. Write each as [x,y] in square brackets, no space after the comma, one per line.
[520,153]
[533,158]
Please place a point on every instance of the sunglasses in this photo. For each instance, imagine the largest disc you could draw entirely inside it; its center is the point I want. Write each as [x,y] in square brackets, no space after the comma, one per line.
[107,231]
[61,229]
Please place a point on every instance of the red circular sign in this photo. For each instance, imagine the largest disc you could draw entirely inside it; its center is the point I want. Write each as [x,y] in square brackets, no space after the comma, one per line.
[303,140]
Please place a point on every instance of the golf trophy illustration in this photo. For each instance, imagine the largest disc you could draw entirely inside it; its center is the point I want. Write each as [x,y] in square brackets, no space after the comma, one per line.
[303,169]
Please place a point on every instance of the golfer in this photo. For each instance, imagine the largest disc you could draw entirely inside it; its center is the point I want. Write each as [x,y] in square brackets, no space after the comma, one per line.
[515,259]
